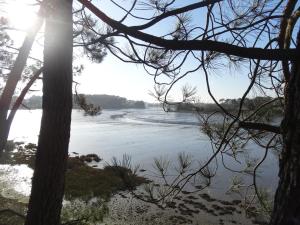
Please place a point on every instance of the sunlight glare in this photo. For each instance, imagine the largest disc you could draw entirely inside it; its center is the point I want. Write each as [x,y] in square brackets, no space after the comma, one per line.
[21,14]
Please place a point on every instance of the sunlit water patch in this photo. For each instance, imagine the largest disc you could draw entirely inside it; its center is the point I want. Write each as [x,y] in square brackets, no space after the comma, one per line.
[15,182]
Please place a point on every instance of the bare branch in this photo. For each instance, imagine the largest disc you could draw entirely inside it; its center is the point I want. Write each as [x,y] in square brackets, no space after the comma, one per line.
[260,126]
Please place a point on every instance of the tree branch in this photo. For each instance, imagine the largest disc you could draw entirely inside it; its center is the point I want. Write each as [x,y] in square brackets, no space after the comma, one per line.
[200,45]
[22,95]
[176,12]
[260,126]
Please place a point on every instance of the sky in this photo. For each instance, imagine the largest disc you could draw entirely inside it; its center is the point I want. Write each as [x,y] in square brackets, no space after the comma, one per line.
[115,77]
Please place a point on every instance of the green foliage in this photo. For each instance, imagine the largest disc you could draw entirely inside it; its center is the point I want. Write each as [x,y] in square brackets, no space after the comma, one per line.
[89,109]
[236,185]
[162,165]
[83,181]
[5,40]
[93,38]
[266,205]
[91,102]
[185,162]
[251,104]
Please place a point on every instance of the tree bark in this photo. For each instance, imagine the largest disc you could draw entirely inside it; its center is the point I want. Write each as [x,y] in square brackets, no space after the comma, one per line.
[287,199]
[13,78]
[51,158]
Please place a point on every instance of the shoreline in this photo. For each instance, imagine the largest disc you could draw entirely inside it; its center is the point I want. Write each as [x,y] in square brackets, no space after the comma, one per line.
[186,208]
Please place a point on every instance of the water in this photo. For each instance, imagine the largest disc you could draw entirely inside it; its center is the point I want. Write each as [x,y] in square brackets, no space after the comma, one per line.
[14,181]
[143,134]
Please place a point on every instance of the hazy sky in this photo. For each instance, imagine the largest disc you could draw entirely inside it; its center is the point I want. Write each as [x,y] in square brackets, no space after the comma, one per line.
[113,76]
[131,81]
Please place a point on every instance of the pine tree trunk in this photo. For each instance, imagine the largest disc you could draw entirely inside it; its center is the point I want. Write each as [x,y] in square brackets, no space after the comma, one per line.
[287,199]
[51,158]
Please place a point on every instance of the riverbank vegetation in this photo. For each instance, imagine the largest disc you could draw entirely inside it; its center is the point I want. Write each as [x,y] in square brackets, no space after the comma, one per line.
[87,188]
[232,105]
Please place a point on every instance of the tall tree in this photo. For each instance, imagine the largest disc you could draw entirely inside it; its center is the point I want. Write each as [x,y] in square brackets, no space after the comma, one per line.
[83,31]
[258,34]
[286,206]
[13,78]
[48,179]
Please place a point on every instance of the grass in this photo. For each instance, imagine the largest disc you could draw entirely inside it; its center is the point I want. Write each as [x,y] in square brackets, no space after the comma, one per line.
[83,181]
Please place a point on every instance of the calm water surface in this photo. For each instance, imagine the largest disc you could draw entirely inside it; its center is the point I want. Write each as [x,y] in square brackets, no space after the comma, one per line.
[143,134]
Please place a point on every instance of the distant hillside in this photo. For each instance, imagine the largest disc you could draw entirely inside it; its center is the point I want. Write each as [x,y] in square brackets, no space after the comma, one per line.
[104,101]
[113,102]
[232,105]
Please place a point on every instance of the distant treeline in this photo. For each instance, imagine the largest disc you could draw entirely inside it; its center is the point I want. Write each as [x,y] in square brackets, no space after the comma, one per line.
[104,101]
[231,105]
